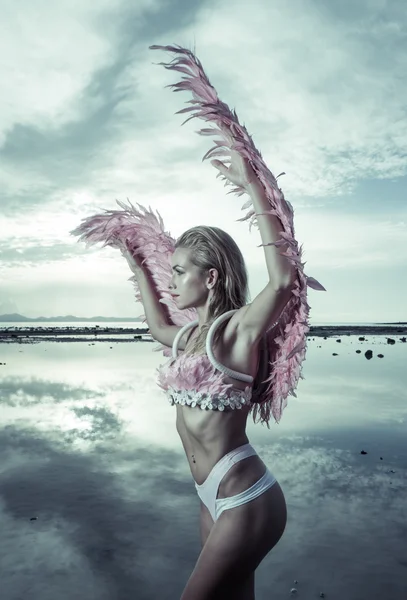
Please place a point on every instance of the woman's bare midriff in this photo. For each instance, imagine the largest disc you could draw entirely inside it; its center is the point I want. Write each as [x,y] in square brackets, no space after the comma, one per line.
[207,435]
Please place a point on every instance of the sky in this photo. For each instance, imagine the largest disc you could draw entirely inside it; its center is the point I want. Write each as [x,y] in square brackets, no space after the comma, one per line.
[85,119]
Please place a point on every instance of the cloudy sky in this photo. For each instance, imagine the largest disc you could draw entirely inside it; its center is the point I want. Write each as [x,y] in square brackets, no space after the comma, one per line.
[85,119]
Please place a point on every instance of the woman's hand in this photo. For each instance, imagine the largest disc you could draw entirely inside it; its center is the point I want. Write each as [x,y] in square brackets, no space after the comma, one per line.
[240,171]
[134,262]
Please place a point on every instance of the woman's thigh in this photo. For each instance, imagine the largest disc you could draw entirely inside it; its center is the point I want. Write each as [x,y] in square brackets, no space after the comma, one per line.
[238,587]
[246,589]
[235,546]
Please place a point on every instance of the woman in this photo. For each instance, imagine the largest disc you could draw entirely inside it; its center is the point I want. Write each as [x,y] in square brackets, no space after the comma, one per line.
[242,507]
[221,376]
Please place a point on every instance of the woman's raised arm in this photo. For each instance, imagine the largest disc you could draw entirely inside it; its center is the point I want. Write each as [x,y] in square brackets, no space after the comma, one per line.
[153,310]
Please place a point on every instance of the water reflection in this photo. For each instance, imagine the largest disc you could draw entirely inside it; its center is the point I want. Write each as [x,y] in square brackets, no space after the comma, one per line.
[97,500]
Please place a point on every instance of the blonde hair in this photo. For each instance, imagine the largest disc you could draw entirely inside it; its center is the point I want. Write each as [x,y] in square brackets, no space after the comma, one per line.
[213,248]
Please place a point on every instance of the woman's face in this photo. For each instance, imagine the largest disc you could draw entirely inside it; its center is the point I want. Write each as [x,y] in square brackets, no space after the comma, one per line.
[186,281]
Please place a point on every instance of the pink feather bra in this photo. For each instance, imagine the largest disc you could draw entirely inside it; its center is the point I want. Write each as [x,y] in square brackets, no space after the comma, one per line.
[198,380]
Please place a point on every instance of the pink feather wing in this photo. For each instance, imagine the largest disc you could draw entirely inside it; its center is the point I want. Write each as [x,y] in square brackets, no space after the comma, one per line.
[288,347]
[146,236]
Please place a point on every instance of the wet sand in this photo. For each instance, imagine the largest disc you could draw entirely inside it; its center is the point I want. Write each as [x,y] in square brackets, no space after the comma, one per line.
[30,335]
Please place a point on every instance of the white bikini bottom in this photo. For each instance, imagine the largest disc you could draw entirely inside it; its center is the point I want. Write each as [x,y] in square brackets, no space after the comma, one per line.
[208,490]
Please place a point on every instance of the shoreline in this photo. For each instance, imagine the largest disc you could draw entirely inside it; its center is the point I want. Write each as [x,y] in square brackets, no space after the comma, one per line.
[64,334]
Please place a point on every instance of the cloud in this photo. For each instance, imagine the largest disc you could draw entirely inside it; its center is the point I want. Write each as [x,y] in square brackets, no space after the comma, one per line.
[95,123]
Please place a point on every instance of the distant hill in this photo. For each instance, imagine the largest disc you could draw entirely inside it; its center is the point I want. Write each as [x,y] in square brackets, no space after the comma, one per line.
[16,318]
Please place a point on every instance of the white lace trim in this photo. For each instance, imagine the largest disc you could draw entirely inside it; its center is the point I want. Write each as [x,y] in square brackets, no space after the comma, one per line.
[205,401]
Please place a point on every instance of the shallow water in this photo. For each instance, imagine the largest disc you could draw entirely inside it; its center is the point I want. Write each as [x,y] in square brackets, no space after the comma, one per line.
[97,500]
